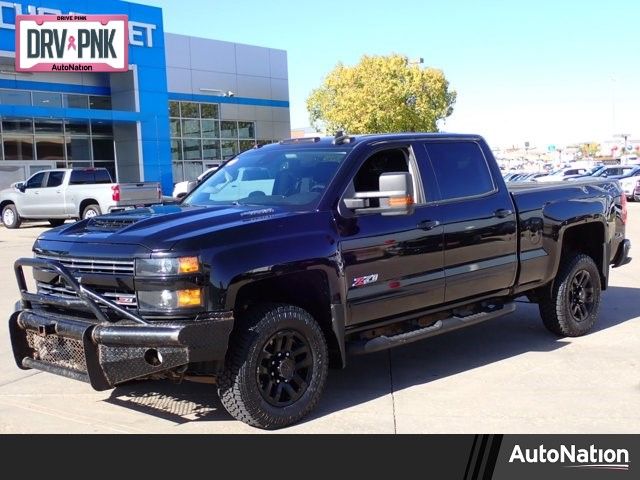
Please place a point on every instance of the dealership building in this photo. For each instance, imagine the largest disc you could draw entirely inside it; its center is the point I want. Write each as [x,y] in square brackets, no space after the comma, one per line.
[185,104]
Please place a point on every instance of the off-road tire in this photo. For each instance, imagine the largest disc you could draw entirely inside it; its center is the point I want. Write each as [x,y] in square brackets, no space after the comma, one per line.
[56,222]
[556,303]
[238,386]
[17,221]
[91,211]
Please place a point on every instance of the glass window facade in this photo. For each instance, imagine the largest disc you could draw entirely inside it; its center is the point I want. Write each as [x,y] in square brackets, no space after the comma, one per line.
[70,143]
[200,139]
[54,99]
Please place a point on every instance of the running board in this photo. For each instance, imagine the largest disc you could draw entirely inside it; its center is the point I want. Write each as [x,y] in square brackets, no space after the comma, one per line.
[441,326]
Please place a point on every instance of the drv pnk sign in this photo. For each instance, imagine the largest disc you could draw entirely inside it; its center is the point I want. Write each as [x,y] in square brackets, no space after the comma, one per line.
[72,43]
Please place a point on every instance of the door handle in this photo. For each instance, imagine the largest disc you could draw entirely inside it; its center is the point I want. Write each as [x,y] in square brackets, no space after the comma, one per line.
[502,213]
[428,224]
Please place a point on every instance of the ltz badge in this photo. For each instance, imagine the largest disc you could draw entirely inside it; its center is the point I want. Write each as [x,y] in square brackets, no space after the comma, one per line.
[67,43]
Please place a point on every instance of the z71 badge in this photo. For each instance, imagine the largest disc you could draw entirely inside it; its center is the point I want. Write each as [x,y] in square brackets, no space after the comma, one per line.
[366,280]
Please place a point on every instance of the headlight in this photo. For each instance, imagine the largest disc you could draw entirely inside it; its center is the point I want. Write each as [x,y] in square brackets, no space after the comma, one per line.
[169,299]
[167,266]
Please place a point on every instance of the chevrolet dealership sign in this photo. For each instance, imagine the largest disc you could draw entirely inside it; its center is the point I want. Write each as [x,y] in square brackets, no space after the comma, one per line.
[72,43]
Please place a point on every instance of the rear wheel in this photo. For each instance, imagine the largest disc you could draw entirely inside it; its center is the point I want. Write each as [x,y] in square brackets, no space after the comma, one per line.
[91,211]
[276,367]
[10,217]
[570,306]
[56,222]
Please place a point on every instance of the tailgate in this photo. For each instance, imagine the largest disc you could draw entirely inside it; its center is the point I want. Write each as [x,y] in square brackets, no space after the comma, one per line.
[143,193]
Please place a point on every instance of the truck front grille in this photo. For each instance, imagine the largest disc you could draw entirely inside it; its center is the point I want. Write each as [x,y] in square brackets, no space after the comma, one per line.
[59,290]
[61,351]
[94,265]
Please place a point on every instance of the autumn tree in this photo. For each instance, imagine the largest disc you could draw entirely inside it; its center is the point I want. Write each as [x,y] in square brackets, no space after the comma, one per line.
[589,150]
[381,94]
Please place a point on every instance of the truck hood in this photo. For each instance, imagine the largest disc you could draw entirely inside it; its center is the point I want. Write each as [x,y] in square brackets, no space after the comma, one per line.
[8,191]
[159,228]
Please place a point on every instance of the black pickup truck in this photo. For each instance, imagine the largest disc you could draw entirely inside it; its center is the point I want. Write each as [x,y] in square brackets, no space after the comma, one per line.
[294,255]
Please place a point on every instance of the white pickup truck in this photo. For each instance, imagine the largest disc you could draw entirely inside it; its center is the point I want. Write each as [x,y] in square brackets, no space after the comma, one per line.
[60,194]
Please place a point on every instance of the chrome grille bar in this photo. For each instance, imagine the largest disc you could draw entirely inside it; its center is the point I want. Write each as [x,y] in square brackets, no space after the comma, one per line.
[94,265]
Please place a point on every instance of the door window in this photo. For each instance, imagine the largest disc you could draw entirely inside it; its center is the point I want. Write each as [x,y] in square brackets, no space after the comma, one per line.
[35,181]
[55,179]
[461,169]
[386,161]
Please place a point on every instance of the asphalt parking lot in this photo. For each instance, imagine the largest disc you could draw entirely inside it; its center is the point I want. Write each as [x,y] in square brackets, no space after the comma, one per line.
[509,376]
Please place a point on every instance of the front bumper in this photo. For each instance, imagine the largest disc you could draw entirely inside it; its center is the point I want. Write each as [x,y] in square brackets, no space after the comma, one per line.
[50,333]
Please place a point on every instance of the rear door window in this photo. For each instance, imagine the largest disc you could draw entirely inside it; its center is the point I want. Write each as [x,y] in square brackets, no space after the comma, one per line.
[461,169]
[55,179]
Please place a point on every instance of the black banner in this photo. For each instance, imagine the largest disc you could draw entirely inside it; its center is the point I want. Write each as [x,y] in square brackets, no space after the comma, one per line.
[465,457]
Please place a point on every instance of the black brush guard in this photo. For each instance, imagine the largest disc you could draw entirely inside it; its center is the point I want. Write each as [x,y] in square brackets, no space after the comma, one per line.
[98,349]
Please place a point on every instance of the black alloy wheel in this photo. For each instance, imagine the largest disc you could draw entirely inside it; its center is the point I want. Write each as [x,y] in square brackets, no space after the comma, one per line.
[285,367]
[581,296]
[276,366]
[569,304]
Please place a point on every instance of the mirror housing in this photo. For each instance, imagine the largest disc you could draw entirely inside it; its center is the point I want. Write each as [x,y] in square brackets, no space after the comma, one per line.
[395,196]
[22,186]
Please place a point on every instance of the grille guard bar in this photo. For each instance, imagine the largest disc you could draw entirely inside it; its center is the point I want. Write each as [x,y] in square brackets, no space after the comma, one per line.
[114,351]
[87,298]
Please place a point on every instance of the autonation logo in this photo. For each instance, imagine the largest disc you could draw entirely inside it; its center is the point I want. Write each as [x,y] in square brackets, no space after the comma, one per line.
[574,457]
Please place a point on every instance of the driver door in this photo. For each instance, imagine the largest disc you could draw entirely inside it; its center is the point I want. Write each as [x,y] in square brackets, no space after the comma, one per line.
[30,200]
[392,264]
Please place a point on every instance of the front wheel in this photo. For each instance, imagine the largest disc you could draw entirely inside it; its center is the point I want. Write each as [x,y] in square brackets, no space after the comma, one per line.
[276,367]
[570,306]
[10,217]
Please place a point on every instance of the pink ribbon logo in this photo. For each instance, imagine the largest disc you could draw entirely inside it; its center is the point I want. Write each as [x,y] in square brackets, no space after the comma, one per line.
[72,43]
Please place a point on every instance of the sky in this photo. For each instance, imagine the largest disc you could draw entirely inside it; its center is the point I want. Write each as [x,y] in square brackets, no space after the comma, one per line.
[547,72]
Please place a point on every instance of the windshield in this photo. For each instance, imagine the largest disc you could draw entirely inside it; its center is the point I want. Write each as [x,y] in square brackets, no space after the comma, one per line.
[270,176]
[602,172]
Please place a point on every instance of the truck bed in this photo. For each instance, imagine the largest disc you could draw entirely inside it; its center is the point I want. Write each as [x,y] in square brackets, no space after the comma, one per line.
[544,209]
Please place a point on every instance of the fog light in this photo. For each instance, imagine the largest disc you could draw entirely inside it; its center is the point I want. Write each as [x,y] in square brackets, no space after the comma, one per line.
[169,299]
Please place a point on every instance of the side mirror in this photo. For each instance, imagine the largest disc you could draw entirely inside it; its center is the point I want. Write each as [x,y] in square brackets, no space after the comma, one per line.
[395,196]
[21,186]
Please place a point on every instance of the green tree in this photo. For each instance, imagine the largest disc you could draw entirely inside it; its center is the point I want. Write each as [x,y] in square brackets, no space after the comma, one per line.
[381,94]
